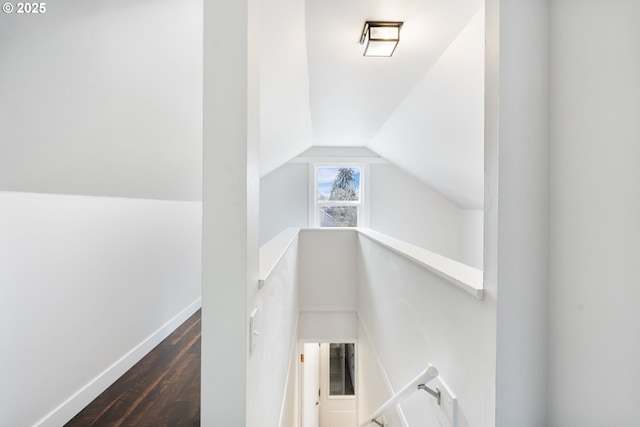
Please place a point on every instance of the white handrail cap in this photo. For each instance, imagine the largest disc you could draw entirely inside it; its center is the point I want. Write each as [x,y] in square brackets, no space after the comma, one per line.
[432,371]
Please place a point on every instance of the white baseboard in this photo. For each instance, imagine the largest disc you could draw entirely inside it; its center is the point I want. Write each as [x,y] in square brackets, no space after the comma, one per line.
[74,404]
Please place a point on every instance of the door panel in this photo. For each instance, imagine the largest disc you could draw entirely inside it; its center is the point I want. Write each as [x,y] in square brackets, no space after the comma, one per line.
[340,418]
[337,390]
[311,385]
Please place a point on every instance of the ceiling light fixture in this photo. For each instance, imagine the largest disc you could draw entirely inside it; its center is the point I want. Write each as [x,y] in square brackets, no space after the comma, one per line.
[381,37]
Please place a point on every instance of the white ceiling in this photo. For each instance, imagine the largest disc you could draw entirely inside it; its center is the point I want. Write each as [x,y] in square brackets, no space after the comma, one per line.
[437,131]
[103,98]
[284,83]
[140,86]
[325,93]
[352,95]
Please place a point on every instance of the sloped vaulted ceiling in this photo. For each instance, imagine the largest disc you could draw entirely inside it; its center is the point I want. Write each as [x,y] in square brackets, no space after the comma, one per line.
[422,109]
[437,131]
[285,117]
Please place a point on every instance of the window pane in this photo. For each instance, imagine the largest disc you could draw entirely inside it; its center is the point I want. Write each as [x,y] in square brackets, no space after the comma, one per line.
[341,370]
[339,216]
[338,183]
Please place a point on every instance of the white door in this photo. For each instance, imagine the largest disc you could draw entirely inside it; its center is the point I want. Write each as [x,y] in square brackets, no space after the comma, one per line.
[311,385]
[337,385]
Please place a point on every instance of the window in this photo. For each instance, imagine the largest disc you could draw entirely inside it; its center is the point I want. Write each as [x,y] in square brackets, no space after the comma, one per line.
[341,369]
[338,196]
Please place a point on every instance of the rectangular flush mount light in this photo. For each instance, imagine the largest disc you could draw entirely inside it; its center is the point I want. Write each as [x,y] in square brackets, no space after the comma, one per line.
[381,37]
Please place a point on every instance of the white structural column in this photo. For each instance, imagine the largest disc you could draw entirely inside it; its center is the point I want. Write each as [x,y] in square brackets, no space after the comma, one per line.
[230,213]
[595,211]
[518,213]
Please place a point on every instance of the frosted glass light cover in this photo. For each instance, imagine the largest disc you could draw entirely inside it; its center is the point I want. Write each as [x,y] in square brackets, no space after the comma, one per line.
[384,33]
[380,48]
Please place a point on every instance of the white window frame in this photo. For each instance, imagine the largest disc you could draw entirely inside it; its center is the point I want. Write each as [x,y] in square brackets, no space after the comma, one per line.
[317,204]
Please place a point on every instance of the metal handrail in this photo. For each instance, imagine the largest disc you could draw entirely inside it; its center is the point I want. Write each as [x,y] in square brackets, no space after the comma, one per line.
[418,383]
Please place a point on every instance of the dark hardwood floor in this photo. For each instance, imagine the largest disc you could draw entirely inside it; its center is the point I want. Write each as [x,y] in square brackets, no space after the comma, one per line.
[163,389]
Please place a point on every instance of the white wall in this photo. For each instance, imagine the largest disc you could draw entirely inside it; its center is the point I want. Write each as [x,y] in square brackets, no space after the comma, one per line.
[103,98]
[373,387]
[517,205]
[404,207]
[414,318]
[291,407]
[328,279]
[85,281]
[595,207]
[327,272]
[231,192]
[269,368]
[472,238]
[283,200]
[402,315]
[285,115]
[318,275]
[399,205]
[328,326]
[437,131]
[100,98]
